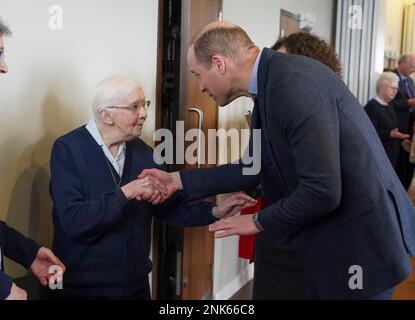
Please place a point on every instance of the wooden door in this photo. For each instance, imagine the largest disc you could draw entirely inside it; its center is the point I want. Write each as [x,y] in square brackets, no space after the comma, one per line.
[289,23]
[198,243]
[406,290]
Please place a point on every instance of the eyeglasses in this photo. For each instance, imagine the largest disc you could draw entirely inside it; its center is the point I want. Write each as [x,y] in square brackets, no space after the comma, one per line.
[393,88]
[135,108]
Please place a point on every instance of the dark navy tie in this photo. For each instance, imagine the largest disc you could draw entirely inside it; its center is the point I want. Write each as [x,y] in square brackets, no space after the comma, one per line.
[409,88]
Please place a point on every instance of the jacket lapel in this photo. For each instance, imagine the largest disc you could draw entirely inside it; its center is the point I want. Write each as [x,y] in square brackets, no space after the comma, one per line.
[267,148]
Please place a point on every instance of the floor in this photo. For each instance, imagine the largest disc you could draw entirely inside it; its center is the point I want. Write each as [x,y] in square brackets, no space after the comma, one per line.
[405,291]
[245,293]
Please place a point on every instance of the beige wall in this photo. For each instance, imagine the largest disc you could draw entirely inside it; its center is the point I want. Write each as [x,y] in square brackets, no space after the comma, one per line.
[49,88]
[394,22]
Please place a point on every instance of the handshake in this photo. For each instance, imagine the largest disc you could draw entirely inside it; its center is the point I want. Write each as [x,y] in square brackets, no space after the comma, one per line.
[147,188]
[156,186]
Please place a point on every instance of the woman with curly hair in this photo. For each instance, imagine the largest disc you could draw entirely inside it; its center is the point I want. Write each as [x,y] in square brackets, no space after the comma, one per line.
[309,45]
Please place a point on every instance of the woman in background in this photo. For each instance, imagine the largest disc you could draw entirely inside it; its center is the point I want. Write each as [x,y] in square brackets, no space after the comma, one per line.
[383,117]
[309,45]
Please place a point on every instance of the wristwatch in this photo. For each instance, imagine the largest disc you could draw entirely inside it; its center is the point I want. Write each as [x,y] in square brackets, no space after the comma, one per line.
[256,222]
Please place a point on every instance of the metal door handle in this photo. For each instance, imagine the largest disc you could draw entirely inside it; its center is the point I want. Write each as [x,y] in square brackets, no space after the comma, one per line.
[186,282]
[179,274]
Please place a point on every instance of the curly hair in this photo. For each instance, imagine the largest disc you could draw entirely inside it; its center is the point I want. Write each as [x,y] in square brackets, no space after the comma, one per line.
[306,44]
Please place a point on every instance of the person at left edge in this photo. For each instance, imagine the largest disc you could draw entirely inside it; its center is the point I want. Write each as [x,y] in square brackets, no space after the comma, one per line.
[16,246]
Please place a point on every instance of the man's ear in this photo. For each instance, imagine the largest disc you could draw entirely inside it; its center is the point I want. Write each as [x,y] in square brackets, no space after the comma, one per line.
[219,63]
[106,117]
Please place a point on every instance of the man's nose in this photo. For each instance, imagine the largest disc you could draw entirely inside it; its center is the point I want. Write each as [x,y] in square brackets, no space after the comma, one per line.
[3,67]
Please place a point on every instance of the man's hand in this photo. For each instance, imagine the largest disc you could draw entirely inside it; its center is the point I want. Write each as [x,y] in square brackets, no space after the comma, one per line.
[395,134]
[171,181]
[148,189]
[237,225]
[233,205]
[42,264]
[17,293]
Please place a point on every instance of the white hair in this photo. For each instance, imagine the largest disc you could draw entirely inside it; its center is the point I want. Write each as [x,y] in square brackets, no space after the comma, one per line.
[112,91]
[385,79]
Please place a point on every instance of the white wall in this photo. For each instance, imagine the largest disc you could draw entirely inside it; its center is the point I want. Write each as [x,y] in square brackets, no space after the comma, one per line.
[49,88]
[261,20]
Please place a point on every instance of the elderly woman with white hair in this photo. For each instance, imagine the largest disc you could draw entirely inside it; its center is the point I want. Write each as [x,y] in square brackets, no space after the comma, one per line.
[102,213]
[383,115]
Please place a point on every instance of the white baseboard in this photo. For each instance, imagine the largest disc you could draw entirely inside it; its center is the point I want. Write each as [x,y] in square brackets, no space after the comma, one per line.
[236,284]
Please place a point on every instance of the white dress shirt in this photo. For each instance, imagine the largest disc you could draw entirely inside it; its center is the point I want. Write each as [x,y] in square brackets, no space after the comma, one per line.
[118,161]
[381,101]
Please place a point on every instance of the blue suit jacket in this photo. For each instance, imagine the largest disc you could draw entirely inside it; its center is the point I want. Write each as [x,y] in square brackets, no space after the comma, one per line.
[329,186]
[18,248]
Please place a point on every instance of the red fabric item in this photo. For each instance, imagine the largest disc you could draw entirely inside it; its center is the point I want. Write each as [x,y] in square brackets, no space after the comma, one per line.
[246,243]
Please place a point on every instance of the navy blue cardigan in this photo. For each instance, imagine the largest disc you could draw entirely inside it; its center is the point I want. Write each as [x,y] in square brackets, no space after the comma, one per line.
[101,237]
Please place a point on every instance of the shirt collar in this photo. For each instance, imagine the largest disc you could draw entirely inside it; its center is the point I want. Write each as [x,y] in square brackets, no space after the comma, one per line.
[381,101]
[253,83]
[401,75]
[94,131]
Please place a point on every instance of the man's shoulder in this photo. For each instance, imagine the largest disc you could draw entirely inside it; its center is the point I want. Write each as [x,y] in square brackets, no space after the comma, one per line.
[284,69]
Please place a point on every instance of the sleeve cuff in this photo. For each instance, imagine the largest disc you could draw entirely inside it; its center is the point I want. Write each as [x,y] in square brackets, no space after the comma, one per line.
[34,250]
[183,178]
[283,230]
[121,197]
[5,285]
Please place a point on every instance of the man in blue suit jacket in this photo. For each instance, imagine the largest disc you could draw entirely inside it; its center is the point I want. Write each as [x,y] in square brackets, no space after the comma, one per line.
[330,190]
[16,246]
[404,104]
